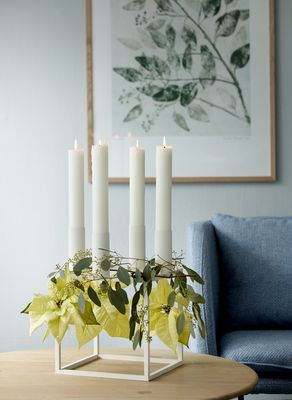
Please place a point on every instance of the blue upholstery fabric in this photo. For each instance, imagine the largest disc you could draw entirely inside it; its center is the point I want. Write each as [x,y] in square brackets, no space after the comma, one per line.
[247,267]
[266,351]
[255,257]
[202,256]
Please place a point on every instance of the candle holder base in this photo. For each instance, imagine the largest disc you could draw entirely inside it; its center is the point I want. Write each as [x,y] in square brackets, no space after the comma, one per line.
[72,368]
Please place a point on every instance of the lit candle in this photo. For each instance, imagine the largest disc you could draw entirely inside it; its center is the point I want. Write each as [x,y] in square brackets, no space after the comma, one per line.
[76,200]
[163,230]
[137,205]
[100,215]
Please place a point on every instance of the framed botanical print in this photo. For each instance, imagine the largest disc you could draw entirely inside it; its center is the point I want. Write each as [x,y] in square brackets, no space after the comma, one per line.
[200,72]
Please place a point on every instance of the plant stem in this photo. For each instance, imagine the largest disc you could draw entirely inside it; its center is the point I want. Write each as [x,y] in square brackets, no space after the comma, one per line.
[188,80]
[231,73]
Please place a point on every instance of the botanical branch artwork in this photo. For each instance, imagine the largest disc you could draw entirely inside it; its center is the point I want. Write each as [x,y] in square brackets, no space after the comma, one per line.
[180,66]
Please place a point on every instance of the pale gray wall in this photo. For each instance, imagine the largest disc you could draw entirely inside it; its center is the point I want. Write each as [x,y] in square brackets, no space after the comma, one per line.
[42,109]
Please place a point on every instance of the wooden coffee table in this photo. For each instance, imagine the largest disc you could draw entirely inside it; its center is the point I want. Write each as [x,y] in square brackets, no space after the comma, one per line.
[29,375]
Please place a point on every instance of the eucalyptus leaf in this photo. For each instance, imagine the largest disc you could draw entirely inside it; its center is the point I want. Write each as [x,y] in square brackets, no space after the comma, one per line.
[147,273]
[187,60]
[104,287]
[171,299]
[135,300]
[194,276]
[210,7]
[81,303]
[193,296]
[189,36]
[198,113]
[130,43]
[197,315]
[54,280]
[82,264]
[132,325]
[180,323]
[135,5]
[149,287]
[130,74]
[138,275]
[105,264]
[180,121]
[116,300]
[159,39]
[188,92]
[192,331]
[227,23]
[123,275]
[170,93]
[156,24]
[25,310]
[164,5]
[122,293]
[170,34]
[134,113]
[51,274]
[182,282]
[136,339]
[93,296]
[240,57]
[79,285]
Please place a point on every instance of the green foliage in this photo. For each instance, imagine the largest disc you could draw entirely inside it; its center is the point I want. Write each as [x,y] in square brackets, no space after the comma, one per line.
[81,265]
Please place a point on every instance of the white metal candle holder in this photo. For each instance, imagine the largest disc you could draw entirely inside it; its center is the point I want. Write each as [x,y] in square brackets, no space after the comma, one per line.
[169,363]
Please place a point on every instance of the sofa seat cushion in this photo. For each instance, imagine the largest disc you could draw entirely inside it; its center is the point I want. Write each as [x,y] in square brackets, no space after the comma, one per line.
[255,258]
[266,351]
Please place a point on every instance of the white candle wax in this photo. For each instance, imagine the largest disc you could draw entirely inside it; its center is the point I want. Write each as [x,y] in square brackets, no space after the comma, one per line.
[76,200]
[137,205]
[100,214]
[163,232]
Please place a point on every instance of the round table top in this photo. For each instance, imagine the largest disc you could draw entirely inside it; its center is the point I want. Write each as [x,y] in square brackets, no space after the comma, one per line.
[29,375]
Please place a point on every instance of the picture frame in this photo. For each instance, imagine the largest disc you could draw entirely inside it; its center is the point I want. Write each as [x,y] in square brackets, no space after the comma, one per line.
[211,142]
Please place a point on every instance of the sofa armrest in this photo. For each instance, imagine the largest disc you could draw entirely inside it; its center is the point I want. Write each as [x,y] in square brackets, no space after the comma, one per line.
[202,257]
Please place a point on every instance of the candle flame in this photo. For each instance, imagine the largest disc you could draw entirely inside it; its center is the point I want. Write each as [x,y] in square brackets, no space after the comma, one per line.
[75,144]
[99,142]
[164,141]
[137,143]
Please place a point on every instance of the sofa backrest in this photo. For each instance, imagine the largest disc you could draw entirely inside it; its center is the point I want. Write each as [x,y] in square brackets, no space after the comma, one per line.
[255,262]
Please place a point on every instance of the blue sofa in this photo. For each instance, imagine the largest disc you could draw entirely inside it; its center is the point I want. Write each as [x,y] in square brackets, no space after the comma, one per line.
[247,267]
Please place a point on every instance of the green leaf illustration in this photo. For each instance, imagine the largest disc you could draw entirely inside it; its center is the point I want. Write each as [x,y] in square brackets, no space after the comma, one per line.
[130,74]
[180,323]
[135,5]
[227,2]
[159,39]
[154,64]
[187,60]
[170,34]
[93,296]
[123,276]
[240,57]
[173,58]
[208,72]
[180,121]
[210,7]
[130,43]
[149,90]
[134,113]
[244,15]
[85,263]
[170,93]
[164,5]
[227,98]
[189,36]
[156,24]
[198,113]
[188,93]
[226,25]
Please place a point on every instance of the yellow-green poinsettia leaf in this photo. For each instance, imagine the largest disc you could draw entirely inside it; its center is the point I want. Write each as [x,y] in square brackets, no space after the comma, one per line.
[159,294]
[165,329]
[41,304]
[58,327]
[111,320]
[36,319]
[86,333]
[88,316]
[184,337]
